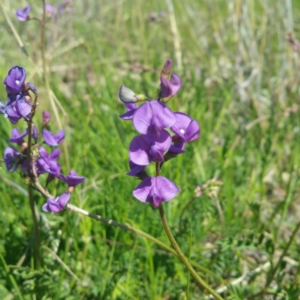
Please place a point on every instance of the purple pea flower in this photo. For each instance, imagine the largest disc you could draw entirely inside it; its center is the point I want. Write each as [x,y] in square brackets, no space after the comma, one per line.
[152,117]
[146,148]
[16,137]
[17,108]
[155,190]
[23,15]
[186,128]
[131,108]
[57,204]
[72,179]
[51,139]
[11,158]
[170,88]
[48,163]
[15,79]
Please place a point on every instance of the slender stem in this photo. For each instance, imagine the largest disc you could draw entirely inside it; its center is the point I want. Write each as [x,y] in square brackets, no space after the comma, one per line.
[37,260]
[180,254]
[283,254]
[184,260]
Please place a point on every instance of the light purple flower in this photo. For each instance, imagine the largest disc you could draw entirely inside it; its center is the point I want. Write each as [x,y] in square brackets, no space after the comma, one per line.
[58,204]
[23,15]
[152,117]
[186,128]
[131,108]
[146,148]
[170,88]
[51,139]
[155,190]
[15,79]
[16,137]
[72,179]
[50,9]
[11,158]
[46,118]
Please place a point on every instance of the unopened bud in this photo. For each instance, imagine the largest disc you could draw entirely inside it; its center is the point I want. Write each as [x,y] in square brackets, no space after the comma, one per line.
[46,118]
[127,95]
[166,71]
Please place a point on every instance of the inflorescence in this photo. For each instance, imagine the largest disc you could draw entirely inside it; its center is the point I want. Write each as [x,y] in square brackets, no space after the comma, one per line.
[155,122]
[39,161]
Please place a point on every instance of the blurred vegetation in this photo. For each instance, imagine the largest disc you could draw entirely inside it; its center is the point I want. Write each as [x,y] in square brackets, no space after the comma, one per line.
[240,81]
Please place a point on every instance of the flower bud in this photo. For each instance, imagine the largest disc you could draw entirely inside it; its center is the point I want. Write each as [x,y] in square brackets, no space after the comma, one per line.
[166,71]
[127,95]
[46,118]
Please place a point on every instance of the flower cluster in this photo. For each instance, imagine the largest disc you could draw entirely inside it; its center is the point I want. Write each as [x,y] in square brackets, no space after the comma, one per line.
[155,121]
[51,11]
[39,161]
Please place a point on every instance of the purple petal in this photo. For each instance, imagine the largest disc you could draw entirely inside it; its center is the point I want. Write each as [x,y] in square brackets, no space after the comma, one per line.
[193,131]
[35,133]
[152,116]
[60,136]
[23,107]
[155,190]
[43,153]
[11,158]
[170,88]
[15,80]
[49,138]
[136,170]
[46,118]
[131,108]
[64,199]
[51,206]
[22,15]
[16,137]
[138,151]
[73,179]
[12,115]
[55,154]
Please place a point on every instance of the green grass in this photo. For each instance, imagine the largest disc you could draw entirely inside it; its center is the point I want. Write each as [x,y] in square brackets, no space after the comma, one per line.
[250,141]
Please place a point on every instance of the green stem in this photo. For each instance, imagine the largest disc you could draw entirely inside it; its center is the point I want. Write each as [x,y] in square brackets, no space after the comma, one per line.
[37,257]
[180,254]
[183,258]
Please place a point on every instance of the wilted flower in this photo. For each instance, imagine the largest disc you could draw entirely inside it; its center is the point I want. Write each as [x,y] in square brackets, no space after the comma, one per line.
[23,15]
[155,190]
[127,95]
[57,204]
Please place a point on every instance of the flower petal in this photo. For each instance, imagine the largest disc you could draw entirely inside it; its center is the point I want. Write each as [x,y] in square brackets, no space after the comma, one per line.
[49,138]
[138,151]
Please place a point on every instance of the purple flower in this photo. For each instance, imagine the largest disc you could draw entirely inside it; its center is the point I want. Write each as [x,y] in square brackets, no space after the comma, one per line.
[72,179]
[16,137]
[166,71]
[136,170]
[11,158]
[131,108]
[50,9]
[148,147]
[48,163]
[186,128]
[17,107]
[155,190]
[152,117]
[57,204]
[15,79]
[170,88]
[23,15]
[35,133]
[51,139]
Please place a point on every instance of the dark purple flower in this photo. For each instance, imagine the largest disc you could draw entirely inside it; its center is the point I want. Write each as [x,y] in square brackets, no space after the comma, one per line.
[12,114]
[73,179]
[15,79]
[57,204]
[11,158]
[146,148]
[16,137]
[23,107]
[17,107]
[46,118]
[51,139]
[152,117]
[137,171]
[155,190]
[170,88]
[186,128]
[23,15]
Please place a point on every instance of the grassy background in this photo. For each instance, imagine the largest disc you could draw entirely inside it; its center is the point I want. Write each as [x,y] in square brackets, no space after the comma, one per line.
[240,81]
